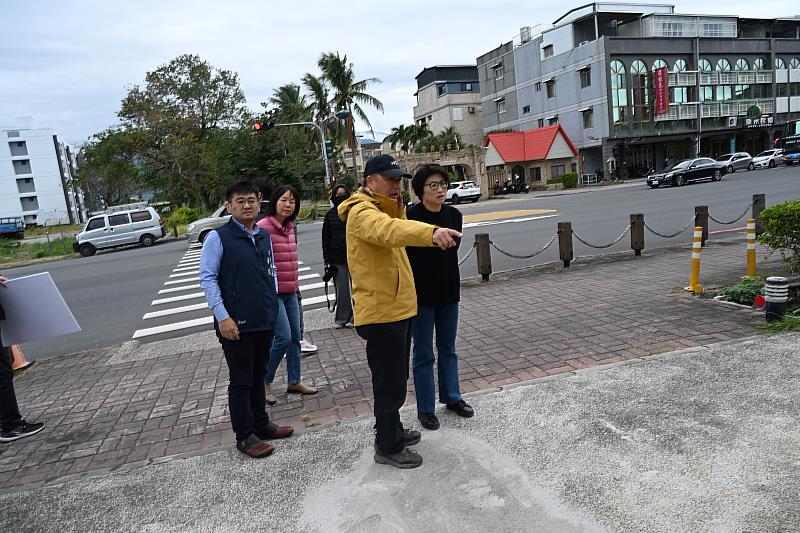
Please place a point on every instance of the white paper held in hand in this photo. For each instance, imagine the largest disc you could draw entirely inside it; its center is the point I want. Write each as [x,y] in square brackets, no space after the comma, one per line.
[34,310]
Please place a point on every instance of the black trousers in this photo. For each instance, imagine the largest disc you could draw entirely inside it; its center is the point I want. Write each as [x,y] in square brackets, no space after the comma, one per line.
[9,410]
[247,364]
[388,351]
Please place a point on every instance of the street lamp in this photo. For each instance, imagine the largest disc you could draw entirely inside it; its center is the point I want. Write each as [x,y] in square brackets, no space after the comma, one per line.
[340,115]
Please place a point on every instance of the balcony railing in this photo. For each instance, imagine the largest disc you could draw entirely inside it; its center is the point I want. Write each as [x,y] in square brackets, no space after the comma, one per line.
[731,108]
[682,79]
[736,77]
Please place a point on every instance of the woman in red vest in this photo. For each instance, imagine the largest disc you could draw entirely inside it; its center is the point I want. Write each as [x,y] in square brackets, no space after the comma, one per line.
[284,205]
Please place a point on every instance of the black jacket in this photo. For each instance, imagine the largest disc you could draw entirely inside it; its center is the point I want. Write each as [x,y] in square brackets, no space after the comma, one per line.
[334,239]
[436,274]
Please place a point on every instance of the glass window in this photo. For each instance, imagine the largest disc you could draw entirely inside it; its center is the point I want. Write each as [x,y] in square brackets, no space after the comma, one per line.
[671,29]
[96,223]
[794,63]
[659,63]
[779,64]
[588,119]
[741,64]
[538,86]
[679,66]
[118,220]
[141,216]
[705,65]
[548,51]
[540,123]
[723,65]
[441,89]
[557,171]
[619,95]
[758,64]
[712,30]
[501,106]
[551,88]
[640,91]
[586,77]
[526,109]
[552,121]
[498,72]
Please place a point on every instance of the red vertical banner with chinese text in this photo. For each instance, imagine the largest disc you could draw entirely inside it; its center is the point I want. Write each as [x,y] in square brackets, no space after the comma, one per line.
[662,91]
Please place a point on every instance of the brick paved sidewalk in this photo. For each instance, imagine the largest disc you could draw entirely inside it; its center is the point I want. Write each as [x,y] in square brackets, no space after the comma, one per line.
[520,326]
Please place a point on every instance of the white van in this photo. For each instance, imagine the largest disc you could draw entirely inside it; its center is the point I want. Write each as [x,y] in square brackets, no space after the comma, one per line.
[119,226]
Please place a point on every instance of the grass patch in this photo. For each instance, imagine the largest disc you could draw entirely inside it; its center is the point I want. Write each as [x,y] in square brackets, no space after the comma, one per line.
[13,252]
[745,291]
[38,231]
[787,323]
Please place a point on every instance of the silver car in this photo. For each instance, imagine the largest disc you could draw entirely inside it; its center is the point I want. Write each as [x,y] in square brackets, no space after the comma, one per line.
[736,161]
[197,230]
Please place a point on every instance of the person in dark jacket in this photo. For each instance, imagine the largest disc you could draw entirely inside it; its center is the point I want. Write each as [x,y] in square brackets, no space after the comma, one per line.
[237,273]
[334,254]
[437,281]
[12,425]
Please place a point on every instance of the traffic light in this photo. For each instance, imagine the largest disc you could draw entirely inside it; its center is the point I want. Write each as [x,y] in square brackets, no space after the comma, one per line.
[260,127]
[329,149]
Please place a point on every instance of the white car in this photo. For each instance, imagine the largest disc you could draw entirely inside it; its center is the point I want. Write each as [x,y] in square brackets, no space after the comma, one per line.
[463,190]
[768,158]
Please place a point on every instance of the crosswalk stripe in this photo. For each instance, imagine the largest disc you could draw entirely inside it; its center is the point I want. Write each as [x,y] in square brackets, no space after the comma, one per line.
[304,269]
[196,268]
[311,286]
[173,327]
[191,255]
[184,274]
[318,300]
[175,311]
[178,298]
[183,280]
[178,289]
[307,276]
[188,263]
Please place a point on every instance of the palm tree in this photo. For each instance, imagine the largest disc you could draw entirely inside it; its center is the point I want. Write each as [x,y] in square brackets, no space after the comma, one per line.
[347,93]
[399,135]
[289,105]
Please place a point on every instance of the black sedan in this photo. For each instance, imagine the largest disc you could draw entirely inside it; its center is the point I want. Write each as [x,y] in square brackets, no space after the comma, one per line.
[688,170]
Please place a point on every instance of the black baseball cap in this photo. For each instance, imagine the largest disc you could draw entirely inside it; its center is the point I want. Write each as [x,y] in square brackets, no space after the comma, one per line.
[385,165]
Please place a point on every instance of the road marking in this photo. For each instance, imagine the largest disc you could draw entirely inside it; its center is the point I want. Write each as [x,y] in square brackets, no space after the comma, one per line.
[189,262]
[318,300]
[175,311]
[304,269]
[184,274]
[178,298]
[500,215]
[513,220]
[311,287]
[307,276]
[182,264]
[193,254]
[177,281]
[183,269]
[178,289]
[173,327]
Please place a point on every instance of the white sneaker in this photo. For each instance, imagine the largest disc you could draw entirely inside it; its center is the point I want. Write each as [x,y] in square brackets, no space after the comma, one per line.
[307,347]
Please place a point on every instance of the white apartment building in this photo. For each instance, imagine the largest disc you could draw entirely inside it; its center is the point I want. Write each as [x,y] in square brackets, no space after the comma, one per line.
[37,173]
[448,96]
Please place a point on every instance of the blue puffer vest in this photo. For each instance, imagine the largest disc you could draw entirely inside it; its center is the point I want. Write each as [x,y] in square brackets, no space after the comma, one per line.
[247,279]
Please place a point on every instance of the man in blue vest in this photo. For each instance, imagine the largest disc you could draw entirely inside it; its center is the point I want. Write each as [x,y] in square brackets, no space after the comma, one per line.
[238,276]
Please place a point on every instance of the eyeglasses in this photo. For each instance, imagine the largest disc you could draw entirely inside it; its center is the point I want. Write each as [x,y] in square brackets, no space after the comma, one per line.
[239,202]
[436,185]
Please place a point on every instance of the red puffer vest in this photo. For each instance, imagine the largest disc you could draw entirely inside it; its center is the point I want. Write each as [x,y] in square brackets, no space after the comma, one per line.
[284,250]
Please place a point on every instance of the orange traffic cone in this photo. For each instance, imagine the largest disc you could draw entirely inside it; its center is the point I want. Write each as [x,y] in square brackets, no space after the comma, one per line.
[18,361]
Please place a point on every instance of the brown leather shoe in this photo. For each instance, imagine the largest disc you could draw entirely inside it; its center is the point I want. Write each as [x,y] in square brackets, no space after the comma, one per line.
[254,447]
[300,388]
[279,432]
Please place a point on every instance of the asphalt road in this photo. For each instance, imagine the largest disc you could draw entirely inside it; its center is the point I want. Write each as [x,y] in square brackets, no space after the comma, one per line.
[110,292]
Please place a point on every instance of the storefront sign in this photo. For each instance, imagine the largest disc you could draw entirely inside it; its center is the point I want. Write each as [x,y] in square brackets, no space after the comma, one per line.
[764,121]
[662,90]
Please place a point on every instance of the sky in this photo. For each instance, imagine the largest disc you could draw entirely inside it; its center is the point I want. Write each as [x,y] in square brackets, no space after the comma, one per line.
[67,65]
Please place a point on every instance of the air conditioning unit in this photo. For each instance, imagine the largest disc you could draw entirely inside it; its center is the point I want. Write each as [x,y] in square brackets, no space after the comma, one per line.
[732,122]
[470,109]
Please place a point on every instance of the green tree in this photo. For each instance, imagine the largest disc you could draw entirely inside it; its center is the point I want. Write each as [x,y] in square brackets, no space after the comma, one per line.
[108,173]
[176,116]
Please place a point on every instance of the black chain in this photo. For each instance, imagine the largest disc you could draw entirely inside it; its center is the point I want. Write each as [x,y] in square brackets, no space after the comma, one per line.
[671,235]
[737,219]
[472,249]
[600,247]
[534,254]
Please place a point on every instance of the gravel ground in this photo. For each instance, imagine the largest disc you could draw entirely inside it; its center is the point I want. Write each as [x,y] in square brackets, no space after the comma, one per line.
[699,440]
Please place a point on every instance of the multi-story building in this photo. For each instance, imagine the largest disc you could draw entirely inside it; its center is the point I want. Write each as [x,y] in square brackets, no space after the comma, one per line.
[449,97]
[369,148]
[37,174]
[593,72]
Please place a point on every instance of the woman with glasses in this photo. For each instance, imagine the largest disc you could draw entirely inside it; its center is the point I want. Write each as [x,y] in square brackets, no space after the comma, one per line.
[437,281]
[284,205]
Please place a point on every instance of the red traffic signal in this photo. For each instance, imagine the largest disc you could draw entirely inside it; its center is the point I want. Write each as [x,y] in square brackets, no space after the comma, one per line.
[258,127]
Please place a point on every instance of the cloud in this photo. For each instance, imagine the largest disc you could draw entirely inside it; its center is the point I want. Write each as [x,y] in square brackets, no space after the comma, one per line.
[68,64]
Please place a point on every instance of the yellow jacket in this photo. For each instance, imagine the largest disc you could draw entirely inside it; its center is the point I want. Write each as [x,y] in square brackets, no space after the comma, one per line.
[377,234]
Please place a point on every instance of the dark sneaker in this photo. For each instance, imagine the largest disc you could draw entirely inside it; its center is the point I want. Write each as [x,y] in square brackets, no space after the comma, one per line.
[428,420]
[274,431]
[411,437]
[461,408]
[404,459]
[23,429]
[254,447]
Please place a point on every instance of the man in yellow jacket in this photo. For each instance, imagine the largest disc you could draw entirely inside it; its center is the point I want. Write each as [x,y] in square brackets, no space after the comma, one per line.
[384,296]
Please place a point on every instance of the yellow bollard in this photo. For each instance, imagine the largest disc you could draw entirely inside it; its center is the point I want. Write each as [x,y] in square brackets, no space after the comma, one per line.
[697,246]
[751,247]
